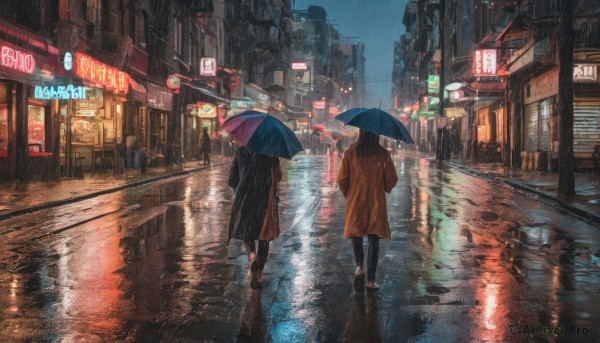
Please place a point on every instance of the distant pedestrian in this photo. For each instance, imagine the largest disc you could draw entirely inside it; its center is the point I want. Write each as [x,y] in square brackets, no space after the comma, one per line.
[329,145]
[340,147]
[366,173]
[254,214]
[315,139]
[206,146]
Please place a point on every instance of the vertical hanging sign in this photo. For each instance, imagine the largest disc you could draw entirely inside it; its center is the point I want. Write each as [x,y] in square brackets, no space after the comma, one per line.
[484,62]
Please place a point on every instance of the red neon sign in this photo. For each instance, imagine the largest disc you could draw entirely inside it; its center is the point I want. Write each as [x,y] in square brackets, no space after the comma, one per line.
[98,72]
[484,62]
[17,60]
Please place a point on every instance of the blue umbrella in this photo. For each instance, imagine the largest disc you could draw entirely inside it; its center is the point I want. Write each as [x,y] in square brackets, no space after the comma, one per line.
[376,121]
[263,134]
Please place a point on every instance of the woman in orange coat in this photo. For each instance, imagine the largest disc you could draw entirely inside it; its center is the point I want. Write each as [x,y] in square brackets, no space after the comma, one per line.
[365,175]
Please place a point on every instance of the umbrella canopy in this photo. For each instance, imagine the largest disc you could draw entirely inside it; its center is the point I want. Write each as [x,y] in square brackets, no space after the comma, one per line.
[337,134]
[319,127]
[376,121]
[263,134]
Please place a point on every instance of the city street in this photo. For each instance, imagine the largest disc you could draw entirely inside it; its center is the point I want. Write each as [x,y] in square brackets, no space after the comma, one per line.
[469,260]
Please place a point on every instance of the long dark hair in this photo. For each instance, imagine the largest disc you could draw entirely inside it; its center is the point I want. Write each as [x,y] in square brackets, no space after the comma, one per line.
[367,143]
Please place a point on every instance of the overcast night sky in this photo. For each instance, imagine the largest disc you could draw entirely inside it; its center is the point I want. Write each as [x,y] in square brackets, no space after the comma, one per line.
[376,23]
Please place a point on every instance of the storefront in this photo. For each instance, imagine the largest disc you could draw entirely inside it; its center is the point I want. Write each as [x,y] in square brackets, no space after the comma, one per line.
[91,122]
[586,112]
[489,121]
[135,119]
[540,122]
[160,105]
[204,108]
[459,130]
[28,128]
[200,115]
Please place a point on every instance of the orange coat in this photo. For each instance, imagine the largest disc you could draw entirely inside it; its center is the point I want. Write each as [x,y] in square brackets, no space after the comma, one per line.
[364,182]
[270,228]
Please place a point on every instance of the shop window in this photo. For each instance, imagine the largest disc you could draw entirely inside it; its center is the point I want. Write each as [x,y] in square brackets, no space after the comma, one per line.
[142,140]
[35,126]
[544,121]
[3,127]
[3,118]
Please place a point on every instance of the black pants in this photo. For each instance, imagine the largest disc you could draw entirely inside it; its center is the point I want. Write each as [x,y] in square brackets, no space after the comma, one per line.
[263,251]
[373,255]
[206,157]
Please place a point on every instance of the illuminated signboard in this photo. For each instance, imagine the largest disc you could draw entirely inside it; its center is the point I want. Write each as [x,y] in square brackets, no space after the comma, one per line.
[173,82]
[100,73]
[484,62]
[319,105]
[585,73]
[68,61]
[433,84]
[16,59]
[206,110]
[208,66]
[60,92]
[299,66]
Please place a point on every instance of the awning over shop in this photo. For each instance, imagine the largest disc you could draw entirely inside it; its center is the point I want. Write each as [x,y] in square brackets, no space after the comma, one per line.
[488,87]
[296,113]
[137,91]
[483,103]
[258,93]
[38,59]
[517,28]
[197,86]
[159,98]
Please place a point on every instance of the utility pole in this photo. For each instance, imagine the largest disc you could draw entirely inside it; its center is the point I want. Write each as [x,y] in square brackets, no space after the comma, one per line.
[566,169]
[440,146]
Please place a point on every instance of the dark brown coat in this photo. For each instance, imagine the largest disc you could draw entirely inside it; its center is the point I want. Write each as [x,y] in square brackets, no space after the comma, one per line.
[253,178]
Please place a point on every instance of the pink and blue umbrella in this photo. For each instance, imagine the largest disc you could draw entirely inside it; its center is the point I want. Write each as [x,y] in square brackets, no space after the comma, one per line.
[376,121]
[263,134]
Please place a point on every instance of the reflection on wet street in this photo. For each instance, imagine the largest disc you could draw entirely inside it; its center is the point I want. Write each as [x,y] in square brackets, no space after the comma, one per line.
[468,261]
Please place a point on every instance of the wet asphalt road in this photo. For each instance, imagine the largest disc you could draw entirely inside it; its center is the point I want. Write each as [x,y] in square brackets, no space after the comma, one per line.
[468,261]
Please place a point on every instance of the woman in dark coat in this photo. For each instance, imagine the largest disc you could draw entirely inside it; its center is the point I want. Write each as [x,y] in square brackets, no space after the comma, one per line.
[254,212]
[206,146]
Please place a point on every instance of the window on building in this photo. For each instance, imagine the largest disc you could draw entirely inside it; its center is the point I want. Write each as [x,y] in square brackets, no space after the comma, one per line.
[36,129]
[137,26]
[194,53]
[105,19]
[91,10]
[178,35]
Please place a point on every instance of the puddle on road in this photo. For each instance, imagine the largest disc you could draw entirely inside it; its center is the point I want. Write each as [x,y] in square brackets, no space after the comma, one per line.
[489,216]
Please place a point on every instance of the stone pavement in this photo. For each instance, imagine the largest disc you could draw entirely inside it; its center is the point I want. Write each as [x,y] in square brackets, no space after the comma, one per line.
[585,203]
[27,196]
